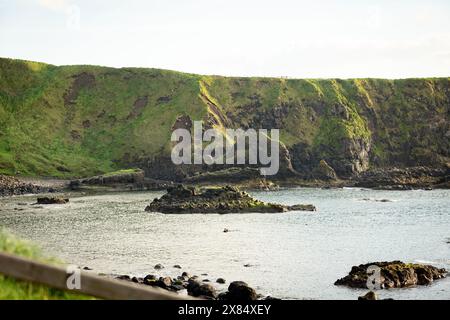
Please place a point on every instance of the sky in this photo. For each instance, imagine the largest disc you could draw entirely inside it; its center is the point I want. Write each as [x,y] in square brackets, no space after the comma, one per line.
[278,38]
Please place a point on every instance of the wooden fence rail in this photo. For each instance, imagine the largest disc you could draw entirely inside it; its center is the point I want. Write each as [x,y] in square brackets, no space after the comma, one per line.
[90,284]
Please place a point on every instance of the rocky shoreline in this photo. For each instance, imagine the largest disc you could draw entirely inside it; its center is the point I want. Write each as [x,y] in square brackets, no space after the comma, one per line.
[228,199]
[393,274]
[405,178]
[11,186]
[187,284]
[122,180]
[392,178]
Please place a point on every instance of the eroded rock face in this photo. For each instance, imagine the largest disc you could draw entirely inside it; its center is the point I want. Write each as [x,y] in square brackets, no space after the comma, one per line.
[350,157]
[324,171]
[394,274]
[356,153]
[228,199]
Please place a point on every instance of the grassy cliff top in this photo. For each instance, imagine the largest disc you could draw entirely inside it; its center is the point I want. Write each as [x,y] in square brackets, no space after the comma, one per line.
[76,121]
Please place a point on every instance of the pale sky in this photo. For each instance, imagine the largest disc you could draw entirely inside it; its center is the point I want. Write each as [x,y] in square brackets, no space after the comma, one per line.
[297,39]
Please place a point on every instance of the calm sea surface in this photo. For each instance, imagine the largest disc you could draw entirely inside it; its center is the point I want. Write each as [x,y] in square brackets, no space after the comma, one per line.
[296,255]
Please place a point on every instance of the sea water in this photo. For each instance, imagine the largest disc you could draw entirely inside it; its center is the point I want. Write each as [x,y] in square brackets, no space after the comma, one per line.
[292,255]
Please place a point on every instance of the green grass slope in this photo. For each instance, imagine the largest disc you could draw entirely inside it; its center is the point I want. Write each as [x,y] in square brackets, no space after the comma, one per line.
[73,121]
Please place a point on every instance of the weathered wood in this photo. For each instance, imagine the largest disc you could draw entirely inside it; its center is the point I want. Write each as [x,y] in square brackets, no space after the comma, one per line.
[56,277]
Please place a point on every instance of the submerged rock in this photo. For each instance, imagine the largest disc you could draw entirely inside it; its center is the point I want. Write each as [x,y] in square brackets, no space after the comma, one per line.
[228,199]
[394,274]
[302,207]
[220,280]
[52,200]
[369,296]
[377,200]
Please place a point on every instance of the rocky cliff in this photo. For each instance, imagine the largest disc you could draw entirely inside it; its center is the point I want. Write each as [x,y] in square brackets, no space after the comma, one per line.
[74,121]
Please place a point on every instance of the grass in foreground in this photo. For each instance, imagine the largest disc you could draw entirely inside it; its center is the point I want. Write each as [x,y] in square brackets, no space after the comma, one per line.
[12,289]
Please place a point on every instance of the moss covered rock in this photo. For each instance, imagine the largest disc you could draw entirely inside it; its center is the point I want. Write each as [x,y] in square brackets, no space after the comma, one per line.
[228,199]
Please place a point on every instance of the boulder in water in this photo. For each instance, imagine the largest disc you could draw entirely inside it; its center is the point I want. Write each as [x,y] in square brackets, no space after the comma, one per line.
[52,200]
[394,274]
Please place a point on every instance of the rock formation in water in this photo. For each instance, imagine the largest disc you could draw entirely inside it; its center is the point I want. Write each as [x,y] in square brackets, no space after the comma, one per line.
[52,200]
[228,199]
[394,274]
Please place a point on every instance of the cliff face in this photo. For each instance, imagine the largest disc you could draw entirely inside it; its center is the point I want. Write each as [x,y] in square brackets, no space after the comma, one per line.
[73,121]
